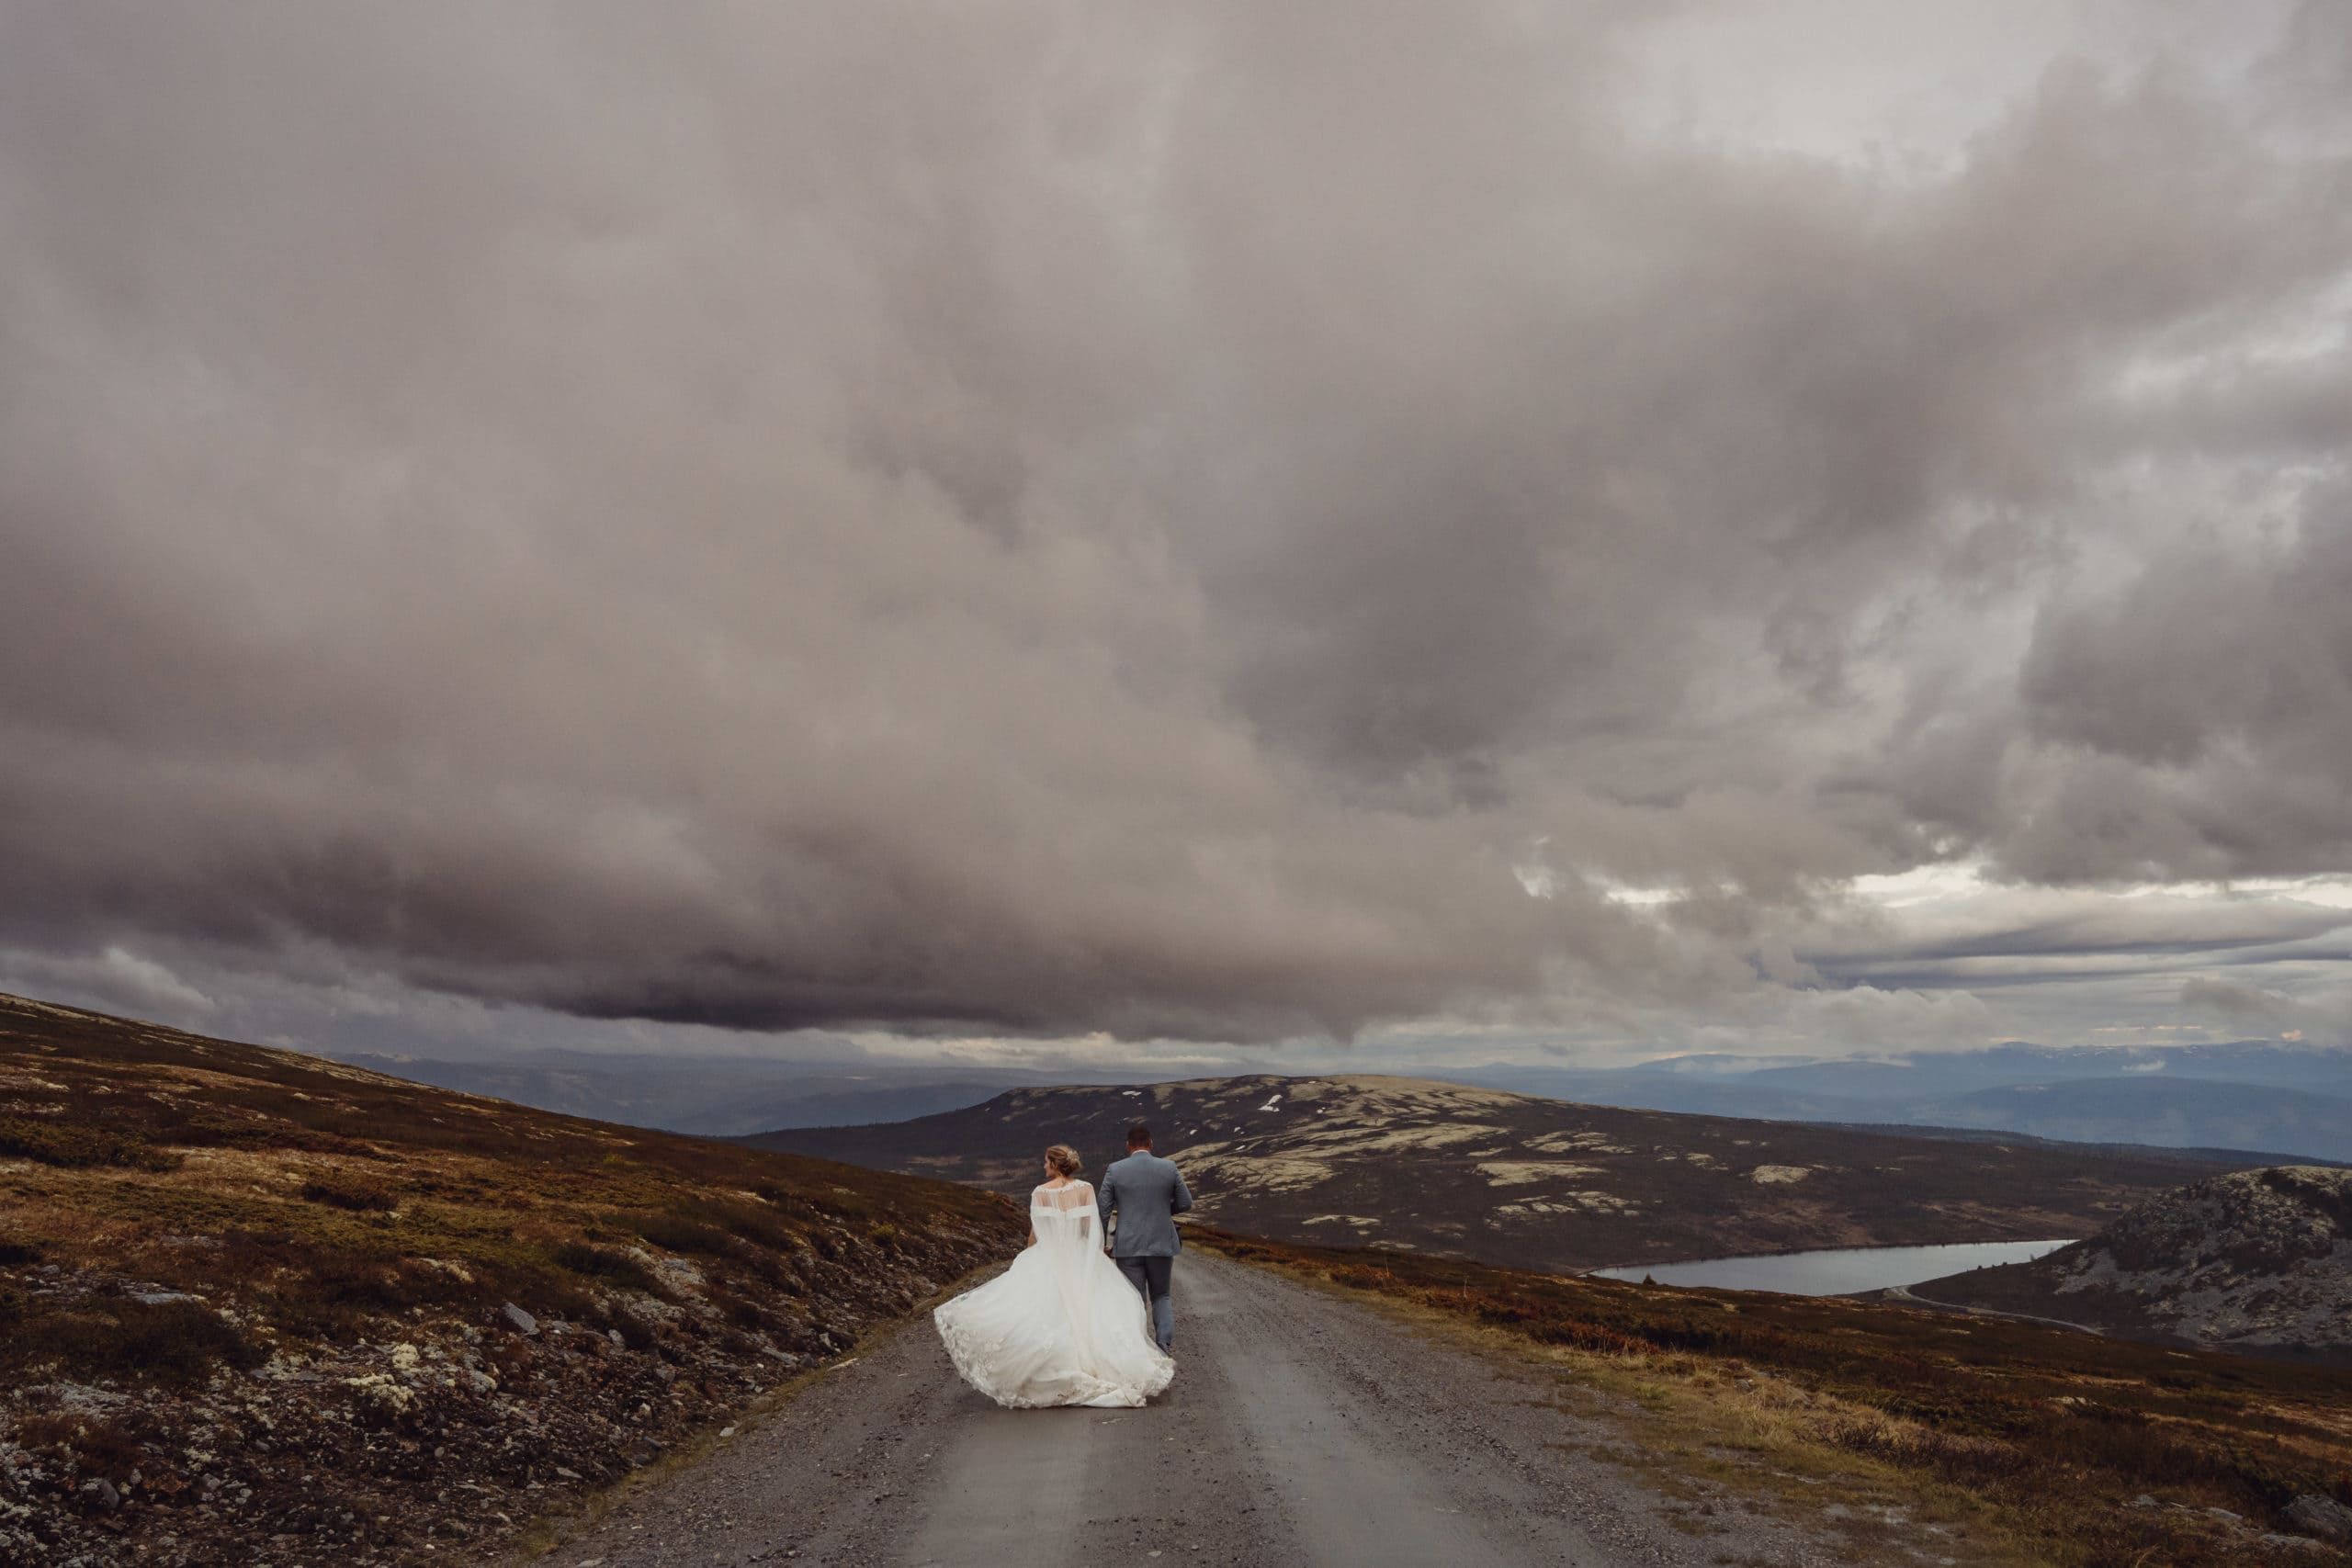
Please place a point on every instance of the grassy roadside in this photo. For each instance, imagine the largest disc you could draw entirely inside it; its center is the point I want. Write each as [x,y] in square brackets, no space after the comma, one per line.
[1901,1432]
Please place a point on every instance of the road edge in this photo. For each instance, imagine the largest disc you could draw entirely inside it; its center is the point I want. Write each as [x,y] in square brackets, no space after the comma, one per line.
[543,1534]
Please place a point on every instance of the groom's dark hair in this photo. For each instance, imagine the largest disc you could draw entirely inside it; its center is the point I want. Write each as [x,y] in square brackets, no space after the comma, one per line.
[1139,1135]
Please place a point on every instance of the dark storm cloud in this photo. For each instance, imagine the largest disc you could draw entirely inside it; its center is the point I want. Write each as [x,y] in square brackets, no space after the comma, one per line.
[983,518]
[2210,700]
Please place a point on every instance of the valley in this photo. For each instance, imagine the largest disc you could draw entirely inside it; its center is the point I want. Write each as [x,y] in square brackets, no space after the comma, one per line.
[268,1308]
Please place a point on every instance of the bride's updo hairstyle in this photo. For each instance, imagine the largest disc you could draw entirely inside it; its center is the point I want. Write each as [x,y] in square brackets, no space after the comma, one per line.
[1064,1159]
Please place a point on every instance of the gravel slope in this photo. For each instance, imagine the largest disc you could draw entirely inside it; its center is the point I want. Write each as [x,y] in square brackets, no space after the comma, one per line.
[1301,1429]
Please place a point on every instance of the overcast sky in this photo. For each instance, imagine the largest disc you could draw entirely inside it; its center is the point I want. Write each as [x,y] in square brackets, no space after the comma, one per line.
[1003,529]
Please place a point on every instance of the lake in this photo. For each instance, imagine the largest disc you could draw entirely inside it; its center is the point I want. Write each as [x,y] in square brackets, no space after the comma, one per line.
[1838,1272]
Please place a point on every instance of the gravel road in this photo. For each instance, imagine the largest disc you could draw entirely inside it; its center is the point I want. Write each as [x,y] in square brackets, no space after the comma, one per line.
[1301,1429]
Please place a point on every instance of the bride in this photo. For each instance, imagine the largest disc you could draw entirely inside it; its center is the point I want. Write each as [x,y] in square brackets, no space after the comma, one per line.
[1062,1325]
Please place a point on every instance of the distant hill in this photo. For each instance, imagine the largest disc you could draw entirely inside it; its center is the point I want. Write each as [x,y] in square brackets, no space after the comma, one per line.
[2283,1102]
[1532,1182]
[263,1308]
[2286,1101]
[2257,1259]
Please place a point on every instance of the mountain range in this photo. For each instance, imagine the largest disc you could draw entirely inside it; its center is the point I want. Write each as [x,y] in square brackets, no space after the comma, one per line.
[2260,1096]
[2244,1095]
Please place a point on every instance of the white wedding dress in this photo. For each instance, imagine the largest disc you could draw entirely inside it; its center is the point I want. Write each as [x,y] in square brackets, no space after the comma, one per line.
[1062,1325]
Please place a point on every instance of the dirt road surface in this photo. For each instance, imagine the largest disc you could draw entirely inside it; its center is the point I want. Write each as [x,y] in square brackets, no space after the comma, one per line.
[1301,1429]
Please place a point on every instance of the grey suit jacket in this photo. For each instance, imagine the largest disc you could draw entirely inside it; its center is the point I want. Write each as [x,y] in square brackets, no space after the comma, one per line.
[1146,1193]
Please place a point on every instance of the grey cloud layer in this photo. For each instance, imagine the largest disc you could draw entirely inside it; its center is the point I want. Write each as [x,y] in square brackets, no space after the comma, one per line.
[1002,518]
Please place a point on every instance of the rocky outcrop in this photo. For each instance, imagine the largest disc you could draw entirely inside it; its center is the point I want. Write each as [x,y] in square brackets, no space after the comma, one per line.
[2255,1260]
[2321,1516]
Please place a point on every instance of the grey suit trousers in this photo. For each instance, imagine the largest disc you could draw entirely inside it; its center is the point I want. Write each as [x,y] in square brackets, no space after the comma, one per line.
[1150,1276]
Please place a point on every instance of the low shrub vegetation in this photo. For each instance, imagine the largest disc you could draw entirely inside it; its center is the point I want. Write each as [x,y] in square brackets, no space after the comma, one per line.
[159,1342]
[604,1263]
[359,1197]
[74,1146]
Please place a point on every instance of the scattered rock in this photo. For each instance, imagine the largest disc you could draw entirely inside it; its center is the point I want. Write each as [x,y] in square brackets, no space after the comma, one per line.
[102,1492]
[2322,1516]
[2278,1542]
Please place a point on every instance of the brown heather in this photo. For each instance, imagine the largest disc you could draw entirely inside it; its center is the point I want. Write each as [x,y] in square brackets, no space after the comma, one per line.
[224,1270]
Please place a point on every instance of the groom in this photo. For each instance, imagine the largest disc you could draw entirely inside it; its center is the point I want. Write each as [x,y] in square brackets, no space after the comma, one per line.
[1143,1194]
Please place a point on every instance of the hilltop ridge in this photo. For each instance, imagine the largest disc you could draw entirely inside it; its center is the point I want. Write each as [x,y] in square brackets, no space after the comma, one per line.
[1456,1170]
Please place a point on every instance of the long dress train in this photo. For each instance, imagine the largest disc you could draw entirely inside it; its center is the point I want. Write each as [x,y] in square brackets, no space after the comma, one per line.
[1062,1325]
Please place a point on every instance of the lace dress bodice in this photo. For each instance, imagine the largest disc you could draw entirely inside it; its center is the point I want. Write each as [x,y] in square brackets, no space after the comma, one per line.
[1065,1213]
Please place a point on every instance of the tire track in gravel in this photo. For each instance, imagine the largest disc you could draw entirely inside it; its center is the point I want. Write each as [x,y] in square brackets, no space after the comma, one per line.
[1301,1429]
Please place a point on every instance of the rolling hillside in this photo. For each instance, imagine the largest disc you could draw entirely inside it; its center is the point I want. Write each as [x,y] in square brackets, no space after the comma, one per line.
[258,1307]
[1445,1169]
